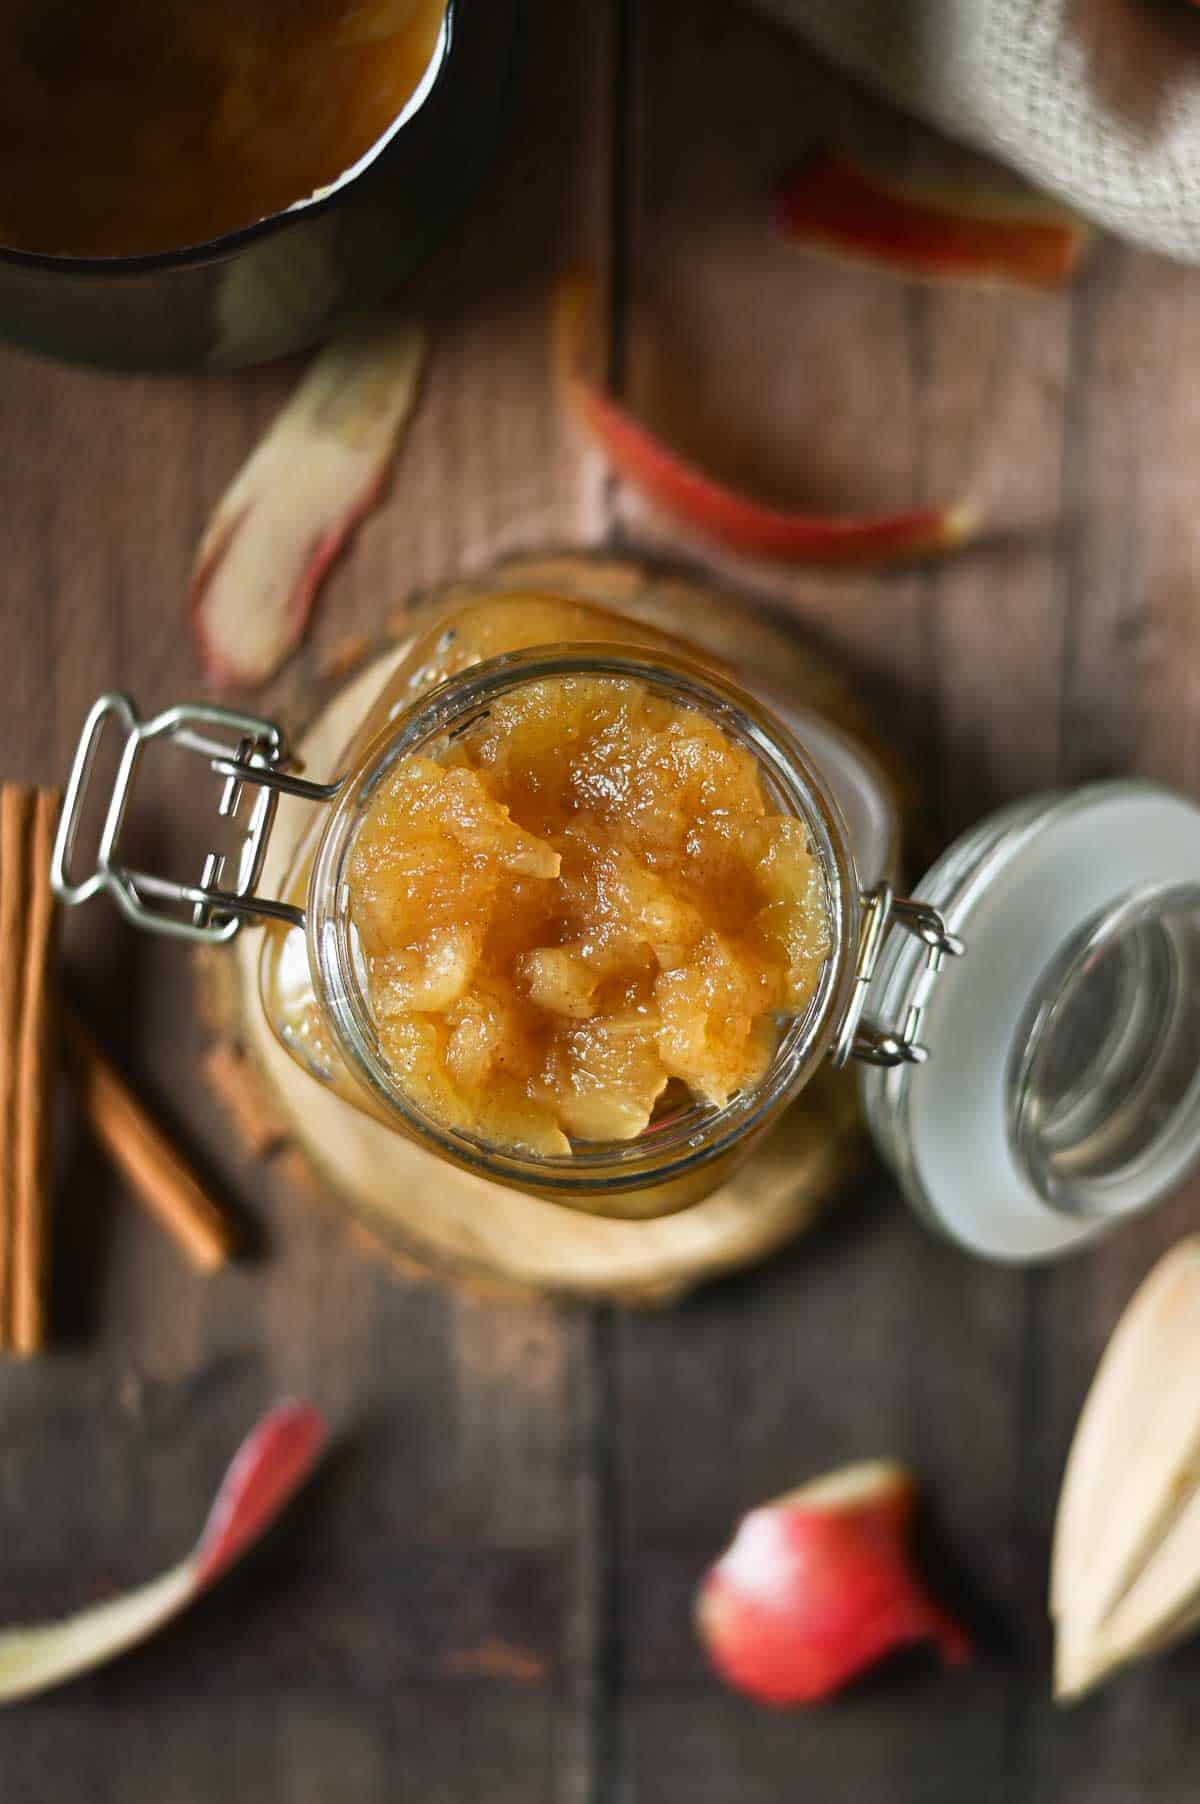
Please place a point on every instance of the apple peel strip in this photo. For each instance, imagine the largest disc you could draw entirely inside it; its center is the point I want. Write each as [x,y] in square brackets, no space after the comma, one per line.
[272,1464]
[722,514]
[837,207]
[295,504]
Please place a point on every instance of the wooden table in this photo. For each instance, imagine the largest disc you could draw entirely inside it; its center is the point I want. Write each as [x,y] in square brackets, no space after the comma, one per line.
[486,1595]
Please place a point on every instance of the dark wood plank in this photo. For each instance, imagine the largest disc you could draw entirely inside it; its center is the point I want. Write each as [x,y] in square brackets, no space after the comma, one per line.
[422,1624]
[1128,592]
[875,1341]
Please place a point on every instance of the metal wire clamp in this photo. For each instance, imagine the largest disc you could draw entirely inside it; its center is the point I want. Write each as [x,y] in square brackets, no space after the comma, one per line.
[250,754]
[884,911]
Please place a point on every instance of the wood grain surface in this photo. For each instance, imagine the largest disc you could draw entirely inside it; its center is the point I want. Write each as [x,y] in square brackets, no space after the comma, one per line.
[486,1593]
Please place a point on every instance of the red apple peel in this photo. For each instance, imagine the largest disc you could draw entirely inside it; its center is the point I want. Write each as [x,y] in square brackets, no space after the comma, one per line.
[818,1586]
[710,507]
[837,207]
[269,1468]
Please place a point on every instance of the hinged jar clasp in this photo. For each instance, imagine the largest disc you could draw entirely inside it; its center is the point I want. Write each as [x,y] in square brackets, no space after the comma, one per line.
[250,754]
[883,910]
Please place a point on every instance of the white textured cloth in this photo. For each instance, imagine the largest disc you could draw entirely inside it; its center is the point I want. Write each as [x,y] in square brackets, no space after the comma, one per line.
[1097,101]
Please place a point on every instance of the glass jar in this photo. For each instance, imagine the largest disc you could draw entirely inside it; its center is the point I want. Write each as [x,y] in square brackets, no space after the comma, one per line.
[313,983]
[1059,1091]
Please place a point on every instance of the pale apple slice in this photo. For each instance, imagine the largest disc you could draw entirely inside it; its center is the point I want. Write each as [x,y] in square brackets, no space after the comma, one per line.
[1155,1340]
[1126,1564]
[317,473]
[271,1465]
[1160,1608]
[1162,1601]
[1085,1659]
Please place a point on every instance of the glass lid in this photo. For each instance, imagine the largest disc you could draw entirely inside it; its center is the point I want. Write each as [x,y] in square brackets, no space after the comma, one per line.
[1062,1090]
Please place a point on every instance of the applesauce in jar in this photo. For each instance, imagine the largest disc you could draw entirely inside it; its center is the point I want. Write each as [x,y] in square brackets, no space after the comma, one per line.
[575,914]
[575,905]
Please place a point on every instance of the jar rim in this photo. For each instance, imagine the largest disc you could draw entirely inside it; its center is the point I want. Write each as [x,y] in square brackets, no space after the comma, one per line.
[701,1134]
[1110,1141]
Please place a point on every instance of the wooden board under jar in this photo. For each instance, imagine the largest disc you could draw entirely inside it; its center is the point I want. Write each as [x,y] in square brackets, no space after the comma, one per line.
[420,1208]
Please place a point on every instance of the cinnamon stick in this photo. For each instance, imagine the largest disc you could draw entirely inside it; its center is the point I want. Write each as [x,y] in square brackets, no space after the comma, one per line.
[160,1176]
[16,815]
[36,1072]
[244,1095]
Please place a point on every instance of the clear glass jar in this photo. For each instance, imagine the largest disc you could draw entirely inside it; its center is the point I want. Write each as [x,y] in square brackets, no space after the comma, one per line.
[312,980]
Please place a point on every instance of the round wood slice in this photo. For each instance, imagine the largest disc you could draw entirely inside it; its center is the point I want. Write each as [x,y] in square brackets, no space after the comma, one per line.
[421,1208]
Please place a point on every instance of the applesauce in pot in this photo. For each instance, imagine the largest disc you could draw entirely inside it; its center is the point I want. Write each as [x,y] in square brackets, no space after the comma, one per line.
[135,126]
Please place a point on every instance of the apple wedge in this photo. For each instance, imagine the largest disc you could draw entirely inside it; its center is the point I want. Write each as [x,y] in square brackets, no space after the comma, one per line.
[318,472]
[1125,1576]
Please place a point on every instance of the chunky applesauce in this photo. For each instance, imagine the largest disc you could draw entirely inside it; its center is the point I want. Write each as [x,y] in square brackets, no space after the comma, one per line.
[582,910]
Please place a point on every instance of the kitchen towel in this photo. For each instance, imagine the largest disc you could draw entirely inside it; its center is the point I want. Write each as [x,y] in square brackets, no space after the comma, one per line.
[1097,101]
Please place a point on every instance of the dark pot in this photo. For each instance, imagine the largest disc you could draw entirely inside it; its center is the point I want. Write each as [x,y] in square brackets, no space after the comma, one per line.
[279,285]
